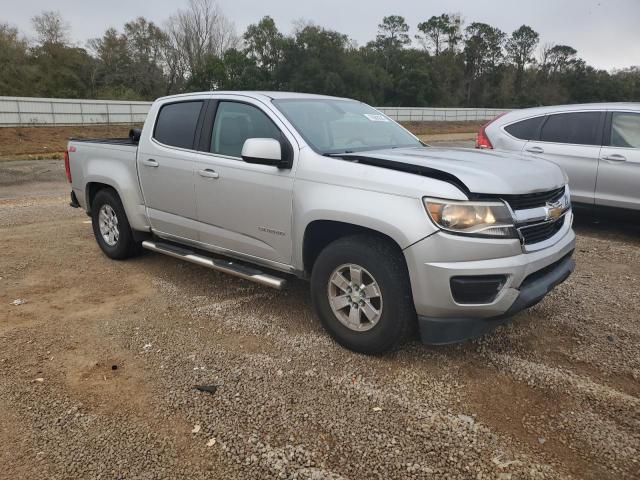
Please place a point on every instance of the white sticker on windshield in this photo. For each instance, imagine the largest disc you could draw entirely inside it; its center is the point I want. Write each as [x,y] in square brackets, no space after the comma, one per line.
[376,117]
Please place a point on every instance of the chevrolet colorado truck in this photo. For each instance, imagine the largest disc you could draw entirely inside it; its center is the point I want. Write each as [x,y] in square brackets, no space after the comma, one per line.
[393,234]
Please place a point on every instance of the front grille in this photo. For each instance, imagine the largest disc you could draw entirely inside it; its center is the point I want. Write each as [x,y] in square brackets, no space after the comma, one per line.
[532,200]
[541,231]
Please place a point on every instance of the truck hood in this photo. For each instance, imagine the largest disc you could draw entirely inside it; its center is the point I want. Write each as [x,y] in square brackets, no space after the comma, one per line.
[475,171]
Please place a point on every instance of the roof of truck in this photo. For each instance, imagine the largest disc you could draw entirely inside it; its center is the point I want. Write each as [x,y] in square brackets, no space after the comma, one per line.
[258,94]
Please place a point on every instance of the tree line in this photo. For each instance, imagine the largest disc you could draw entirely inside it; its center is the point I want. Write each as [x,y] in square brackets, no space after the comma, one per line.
[444,62]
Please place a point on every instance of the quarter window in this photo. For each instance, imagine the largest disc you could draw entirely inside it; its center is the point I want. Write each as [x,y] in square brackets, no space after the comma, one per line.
[625,130]
[234,123]
[526,129]
[575,128]
[176,124]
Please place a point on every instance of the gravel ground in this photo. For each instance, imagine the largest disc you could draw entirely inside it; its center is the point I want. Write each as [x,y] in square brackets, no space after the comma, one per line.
[98,369]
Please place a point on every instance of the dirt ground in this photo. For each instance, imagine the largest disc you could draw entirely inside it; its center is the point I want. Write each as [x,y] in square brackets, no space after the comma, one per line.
[34,143]
[428,129]
[98,369]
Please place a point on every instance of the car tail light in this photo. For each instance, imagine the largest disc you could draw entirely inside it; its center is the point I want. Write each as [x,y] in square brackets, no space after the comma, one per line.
[482,141]
[67,169]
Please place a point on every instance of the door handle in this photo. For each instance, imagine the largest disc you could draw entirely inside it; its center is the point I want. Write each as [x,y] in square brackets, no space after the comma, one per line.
[535,150]
[208,173]
[150,162]
[615,157]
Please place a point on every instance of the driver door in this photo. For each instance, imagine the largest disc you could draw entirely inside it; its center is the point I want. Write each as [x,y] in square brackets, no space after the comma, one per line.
[243,208]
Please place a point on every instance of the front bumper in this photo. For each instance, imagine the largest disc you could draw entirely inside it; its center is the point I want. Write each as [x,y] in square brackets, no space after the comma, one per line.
[441,331]
[529,277]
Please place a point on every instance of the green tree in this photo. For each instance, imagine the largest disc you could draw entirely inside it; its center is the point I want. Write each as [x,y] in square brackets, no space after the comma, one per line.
[434,33]
[392,37]
[15,74]
[520,47]
[264,45]
[145,45]
[112,70]
[60,70]
[483,56]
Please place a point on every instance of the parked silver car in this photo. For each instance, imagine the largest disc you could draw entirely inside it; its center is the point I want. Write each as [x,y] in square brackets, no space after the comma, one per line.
[597,145]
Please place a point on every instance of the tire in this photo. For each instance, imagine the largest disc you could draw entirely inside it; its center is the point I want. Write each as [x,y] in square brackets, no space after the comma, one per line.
[119,243]
[381,263]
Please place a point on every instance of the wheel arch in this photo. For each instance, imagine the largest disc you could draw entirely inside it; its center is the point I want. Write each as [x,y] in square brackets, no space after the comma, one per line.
[130,198]
[320,233]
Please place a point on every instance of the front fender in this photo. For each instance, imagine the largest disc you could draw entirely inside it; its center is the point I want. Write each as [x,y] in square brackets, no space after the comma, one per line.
[401,218]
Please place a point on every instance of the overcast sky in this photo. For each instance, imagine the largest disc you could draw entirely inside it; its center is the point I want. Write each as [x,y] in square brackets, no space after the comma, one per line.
[606,33]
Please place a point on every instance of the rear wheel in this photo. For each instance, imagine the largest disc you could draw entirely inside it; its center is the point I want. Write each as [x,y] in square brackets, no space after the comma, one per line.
[361,292]
[111,227]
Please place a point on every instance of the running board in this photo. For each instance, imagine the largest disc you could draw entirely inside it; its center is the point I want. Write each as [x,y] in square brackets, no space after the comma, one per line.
[226,266]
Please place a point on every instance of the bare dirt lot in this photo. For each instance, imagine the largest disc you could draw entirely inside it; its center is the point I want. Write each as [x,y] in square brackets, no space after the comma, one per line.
[33,143]
[98,369]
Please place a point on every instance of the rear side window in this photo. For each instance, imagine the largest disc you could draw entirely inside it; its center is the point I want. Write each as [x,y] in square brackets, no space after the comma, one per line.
[526,129]
[576,128]
[625,130]
[176,124]
[234,123]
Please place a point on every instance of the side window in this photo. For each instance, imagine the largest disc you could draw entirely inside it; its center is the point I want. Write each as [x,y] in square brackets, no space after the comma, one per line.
[526,129]
[176,124]
[576,128]
[234,123]
[625,130]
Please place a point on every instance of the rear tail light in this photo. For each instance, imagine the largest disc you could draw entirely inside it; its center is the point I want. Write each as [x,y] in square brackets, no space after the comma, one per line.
[67,169]
[482,141]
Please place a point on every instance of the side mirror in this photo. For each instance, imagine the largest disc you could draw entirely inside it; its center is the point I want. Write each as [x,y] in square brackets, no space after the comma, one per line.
[134,135]
[264,151]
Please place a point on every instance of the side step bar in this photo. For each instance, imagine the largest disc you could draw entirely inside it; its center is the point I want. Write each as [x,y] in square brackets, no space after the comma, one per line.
[226,266]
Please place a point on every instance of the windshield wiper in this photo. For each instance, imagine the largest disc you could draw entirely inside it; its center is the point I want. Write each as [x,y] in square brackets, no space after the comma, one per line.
[346,152]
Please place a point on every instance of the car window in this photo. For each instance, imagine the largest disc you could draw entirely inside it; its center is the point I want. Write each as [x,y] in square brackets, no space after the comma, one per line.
[176,124]
[526,129]
[576,128]
[625,130]
[234,123]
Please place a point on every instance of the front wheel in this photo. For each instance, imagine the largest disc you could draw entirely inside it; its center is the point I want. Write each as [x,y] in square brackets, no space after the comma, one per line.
[360,290]
[111,227]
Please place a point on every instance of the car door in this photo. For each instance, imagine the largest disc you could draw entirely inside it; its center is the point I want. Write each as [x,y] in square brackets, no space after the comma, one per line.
[618,183]
[572,140]
[243,208]
[166,169]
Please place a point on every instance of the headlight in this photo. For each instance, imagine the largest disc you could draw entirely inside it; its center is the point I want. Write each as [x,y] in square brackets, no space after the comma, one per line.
[487,219]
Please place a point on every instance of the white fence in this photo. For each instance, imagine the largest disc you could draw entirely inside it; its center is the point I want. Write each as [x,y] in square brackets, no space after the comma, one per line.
[26,111]
[428,114]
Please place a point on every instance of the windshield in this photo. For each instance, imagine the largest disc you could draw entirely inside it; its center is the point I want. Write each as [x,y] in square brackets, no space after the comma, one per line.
[343,126]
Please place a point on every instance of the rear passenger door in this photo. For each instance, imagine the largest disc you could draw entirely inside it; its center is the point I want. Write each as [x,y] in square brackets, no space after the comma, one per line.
[165,167]
[572,140]
[618,182]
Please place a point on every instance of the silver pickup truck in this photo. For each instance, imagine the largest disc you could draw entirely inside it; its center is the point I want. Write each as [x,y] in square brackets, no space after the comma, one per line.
[391,233]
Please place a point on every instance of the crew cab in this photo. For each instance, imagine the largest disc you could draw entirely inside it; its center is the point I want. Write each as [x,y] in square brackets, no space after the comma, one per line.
[392,234]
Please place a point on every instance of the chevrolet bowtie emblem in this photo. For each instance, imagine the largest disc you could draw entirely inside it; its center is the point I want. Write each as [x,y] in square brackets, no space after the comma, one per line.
[555,209]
